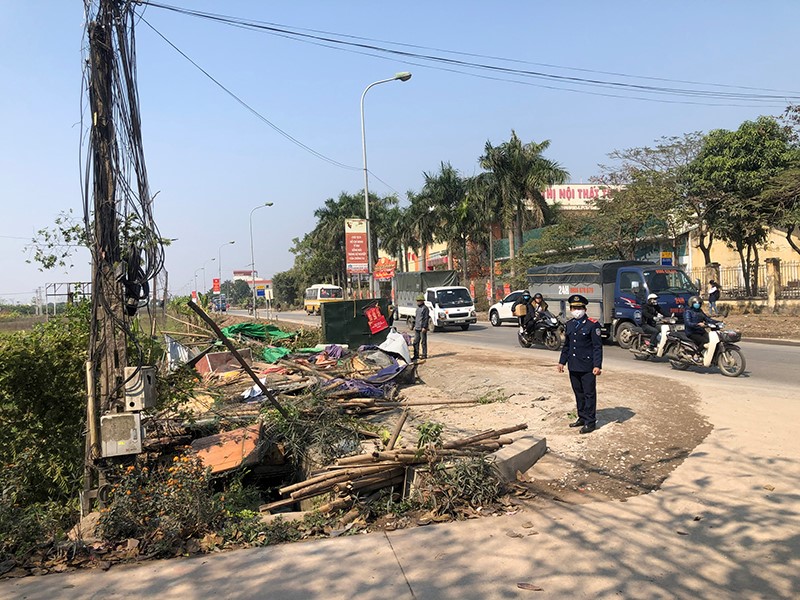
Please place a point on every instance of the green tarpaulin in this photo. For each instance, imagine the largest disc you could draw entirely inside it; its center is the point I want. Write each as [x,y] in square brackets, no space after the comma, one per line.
[258,331]
[273,354]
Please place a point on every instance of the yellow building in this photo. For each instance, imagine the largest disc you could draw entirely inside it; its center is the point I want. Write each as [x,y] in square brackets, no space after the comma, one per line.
[776,247]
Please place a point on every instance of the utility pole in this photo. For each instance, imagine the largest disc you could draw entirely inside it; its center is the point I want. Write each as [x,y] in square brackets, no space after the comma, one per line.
[108,349]
[107,344]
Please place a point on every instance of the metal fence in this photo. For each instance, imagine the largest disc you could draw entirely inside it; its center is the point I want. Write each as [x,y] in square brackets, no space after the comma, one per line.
[733,286]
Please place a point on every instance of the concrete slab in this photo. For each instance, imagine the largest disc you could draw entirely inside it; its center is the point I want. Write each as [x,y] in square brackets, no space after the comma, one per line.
[519,456]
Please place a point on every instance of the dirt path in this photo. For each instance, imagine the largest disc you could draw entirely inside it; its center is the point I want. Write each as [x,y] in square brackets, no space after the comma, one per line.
[647,426]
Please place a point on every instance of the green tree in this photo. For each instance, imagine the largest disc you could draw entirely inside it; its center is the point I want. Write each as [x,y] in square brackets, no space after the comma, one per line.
[518,174]
[782,195]
[285,287]
[735,167]
[662,175]
[455,215]
[237,292]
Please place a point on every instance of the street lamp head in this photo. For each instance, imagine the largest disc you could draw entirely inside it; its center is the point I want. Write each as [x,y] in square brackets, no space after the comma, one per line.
[268,203]
[403,76]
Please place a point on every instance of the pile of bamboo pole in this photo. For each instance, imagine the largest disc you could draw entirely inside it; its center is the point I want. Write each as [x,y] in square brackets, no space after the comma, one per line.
[356,475]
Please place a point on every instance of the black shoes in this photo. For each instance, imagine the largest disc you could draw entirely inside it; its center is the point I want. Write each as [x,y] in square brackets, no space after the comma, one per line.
[588,428]
[577,423]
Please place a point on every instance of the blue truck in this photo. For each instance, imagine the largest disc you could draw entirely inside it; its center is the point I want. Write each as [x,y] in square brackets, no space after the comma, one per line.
[616,291]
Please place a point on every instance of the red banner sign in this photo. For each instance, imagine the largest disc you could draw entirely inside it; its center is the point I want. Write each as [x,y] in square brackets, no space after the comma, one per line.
[384,269]
[377,322]
[215,285]
[356,246]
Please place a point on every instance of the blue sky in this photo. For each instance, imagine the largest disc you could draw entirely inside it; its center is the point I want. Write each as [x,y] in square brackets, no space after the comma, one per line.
[212,161]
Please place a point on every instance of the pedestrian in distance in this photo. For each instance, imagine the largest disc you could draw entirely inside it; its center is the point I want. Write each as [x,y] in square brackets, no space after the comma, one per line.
[583,355]
[422,319]
[713,296]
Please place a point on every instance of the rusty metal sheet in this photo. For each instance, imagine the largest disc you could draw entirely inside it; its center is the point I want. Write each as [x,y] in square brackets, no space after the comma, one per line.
[229,450]
[219,362]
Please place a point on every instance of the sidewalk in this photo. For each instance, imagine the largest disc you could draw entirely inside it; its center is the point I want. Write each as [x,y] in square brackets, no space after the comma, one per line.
[725,524]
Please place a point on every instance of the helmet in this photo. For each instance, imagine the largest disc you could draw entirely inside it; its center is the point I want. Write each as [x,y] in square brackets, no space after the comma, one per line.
[526,294]
[652,298]
[537,296]
[695,300]
[420,297]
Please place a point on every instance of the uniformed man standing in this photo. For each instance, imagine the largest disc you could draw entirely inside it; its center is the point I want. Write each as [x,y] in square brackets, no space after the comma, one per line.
[583,354]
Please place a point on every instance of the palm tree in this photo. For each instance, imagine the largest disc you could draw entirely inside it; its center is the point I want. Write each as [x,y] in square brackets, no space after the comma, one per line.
[519,174]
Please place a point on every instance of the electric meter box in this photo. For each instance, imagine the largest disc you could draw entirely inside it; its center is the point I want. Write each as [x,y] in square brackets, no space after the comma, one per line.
[121,434]
[140,391]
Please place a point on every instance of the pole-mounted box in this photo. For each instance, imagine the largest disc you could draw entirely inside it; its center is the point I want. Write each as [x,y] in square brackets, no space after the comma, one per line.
[121,434]
[140,389]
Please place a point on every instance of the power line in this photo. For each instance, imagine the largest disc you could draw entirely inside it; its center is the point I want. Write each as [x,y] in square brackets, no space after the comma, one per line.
[247,106]
[257,114]
[323,38]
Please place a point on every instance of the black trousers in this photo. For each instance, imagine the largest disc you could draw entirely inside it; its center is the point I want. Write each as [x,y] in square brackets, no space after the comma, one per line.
[584,384]
[420,336]
[653,331]
[699,338]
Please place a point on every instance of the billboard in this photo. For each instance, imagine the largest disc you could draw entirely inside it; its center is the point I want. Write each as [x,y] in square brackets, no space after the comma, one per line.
[576,196]
[356,247]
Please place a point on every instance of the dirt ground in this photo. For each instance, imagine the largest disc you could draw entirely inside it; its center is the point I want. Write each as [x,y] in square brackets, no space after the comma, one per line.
[765,326]
[645,430]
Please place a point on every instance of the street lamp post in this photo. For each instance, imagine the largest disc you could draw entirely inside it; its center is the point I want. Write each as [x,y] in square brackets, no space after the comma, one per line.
[203,269]
[205,286]
[253,259]
[219,265]
[404,76]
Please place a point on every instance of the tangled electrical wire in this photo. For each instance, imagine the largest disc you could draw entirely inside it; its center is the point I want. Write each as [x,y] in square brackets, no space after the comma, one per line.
[127,249]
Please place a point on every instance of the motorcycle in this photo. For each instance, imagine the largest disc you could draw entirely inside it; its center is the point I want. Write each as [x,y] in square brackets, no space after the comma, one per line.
[720,350]
[546,330]
[640,342]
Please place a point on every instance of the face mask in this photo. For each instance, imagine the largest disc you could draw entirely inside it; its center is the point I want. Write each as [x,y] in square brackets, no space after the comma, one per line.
[696,306]
[578,313]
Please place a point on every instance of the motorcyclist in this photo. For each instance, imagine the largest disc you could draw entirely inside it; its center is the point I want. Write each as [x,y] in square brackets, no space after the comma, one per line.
[651,312]
[538,305]
[696,322]
[523,300]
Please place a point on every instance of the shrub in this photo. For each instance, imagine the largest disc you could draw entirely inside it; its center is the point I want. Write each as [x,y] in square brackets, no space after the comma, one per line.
[42,405]
[162,506]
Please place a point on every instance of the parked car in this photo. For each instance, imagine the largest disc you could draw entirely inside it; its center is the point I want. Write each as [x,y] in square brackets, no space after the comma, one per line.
[500,312]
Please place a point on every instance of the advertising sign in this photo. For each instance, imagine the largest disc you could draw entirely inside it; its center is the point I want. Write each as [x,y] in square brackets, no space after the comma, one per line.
[194,296]
[666,259]
[215,285]
[355,242]
[384,269]
[261,291]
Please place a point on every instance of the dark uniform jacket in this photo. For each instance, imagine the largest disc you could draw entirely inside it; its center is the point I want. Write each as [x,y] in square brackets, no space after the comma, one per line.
[422,318]
[583,349]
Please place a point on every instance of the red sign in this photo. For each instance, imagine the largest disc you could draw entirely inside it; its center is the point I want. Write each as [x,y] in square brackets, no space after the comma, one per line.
[489,290]
[215,285]
[375,319]
[384,269]
[506,288]
[194,296]
[355,245]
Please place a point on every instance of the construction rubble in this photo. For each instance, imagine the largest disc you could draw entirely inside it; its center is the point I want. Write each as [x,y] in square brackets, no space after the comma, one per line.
[249,372]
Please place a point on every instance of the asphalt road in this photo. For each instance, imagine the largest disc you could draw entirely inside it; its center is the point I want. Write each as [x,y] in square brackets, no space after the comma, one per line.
[768,364]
